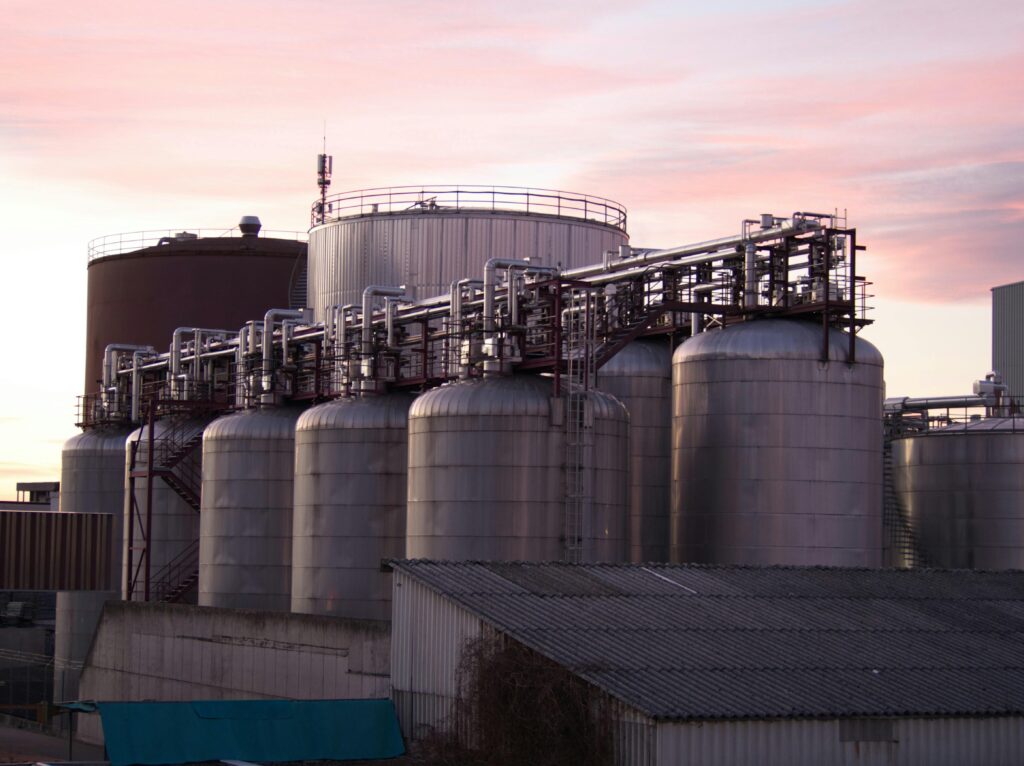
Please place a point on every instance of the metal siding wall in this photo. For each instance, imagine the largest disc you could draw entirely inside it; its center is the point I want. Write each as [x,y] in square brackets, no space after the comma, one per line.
[428,633]
[1008,335]
[46,550]
[919,742]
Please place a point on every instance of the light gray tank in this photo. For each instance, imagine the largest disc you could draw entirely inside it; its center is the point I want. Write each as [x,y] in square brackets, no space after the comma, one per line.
[487,478]
[387,237]
[91,481]
[245,525]
[962,489]
[175,530]
[640,376]
[350,459]
[776,455]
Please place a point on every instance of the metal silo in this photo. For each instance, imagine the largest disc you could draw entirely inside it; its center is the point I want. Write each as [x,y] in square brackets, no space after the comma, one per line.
[640,376]
[245,524]
[142,284]
[427,237]
[350,468]
[91,481]
[487,478]
[776,455]
[172,543]
[962,490]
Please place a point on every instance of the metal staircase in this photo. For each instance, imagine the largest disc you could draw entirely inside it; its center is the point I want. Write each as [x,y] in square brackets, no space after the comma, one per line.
[172,457]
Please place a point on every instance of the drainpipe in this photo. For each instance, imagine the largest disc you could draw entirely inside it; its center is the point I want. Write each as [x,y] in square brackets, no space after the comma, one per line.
[272,317]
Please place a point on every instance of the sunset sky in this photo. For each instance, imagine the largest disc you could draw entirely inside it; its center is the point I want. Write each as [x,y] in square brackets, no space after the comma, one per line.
[121,116]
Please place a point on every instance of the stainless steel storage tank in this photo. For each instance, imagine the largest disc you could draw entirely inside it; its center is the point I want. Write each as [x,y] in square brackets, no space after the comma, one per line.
[350,464]
[487,474]
[174,537]
[776,455]
[640,376]
[245,524]
[92,481]
[427,237]
[962,489]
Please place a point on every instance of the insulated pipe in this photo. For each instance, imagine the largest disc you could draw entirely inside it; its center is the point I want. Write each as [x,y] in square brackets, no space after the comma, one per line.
[390,310]
[269,320]
[686,255]
[137,381]
[368,295]
[750,276]
[940,403]
[240,352]
[110,355]
[175,365]
[490,282]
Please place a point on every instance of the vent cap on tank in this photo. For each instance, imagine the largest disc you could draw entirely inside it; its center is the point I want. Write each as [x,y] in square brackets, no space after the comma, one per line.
[250,225]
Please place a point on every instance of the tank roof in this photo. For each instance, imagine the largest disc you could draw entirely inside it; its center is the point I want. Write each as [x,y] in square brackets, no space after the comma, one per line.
[161,241]
[462,198]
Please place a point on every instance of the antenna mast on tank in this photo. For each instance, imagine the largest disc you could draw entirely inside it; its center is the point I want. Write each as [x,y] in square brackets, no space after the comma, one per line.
[324,165]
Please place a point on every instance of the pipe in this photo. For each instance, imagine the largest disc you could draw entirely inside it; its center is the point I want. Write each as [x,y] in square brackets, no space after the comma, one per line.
[390,310]
[934,403]
[137,381]
[368,295]
[269,320]
[174,370]
[698,252]
[750,276]
[240,353]
[490,282]
[110,355]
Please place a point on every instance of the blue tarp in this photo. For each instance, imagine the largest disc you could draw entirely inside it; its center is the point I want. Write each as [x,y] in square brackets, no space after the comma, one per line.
[249,730]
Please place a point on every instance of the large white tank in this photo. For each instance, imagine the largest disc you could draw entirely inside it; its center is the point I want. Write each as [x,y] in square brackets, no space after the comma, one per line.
[487,478]
[350,465]
[174,537]
[962,489]
[776,455]
[640,376]
[245,524]
[426,237]
[91,481]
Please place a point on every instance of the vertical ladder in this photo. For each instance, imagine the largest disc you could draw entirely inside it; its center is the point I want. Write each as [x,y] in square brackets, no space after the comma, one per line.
[580,339]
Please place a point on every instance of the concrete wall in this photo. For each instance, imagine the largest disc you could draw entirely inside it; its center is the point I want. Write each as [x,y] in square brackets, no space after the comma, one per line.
[172,652]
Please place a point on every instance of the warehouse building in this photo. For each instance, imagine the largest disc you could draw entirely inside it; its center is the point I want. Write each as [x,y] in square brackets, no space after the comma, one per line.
[728,664]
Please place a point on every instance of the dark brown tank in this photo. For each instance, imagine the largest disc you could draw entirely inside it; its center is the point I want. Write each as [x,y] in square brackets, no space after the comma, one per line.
[219,282]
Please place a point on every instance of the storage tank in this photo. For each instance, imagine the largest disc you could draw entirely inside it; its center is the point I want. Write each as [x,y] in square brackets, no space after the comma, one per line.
[143,285]
[350,466]
[427,237]
[640,376]
[776,455]
[962,489]
[91,481]
[174,538]
[487,477]
[245,525]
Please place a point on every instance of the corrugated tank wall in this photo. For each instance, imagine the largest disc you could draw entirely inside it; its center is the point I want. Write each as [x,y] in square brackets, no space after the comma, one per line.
[426,252]
[1007,331]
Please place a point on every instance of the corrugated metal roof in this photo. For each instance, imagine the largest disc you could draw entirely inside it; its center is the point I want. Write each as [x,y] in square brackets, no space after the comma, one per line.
[702,642]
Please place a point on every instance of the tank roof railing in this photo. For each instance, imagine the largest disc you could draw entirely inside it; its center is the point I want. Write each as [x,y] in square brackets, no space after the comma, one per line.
[130,241]
[449,198]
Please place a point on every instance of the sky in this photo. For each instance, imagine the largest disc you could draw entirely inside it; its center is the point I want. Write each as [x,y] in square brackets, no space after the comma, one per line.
[124,116]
